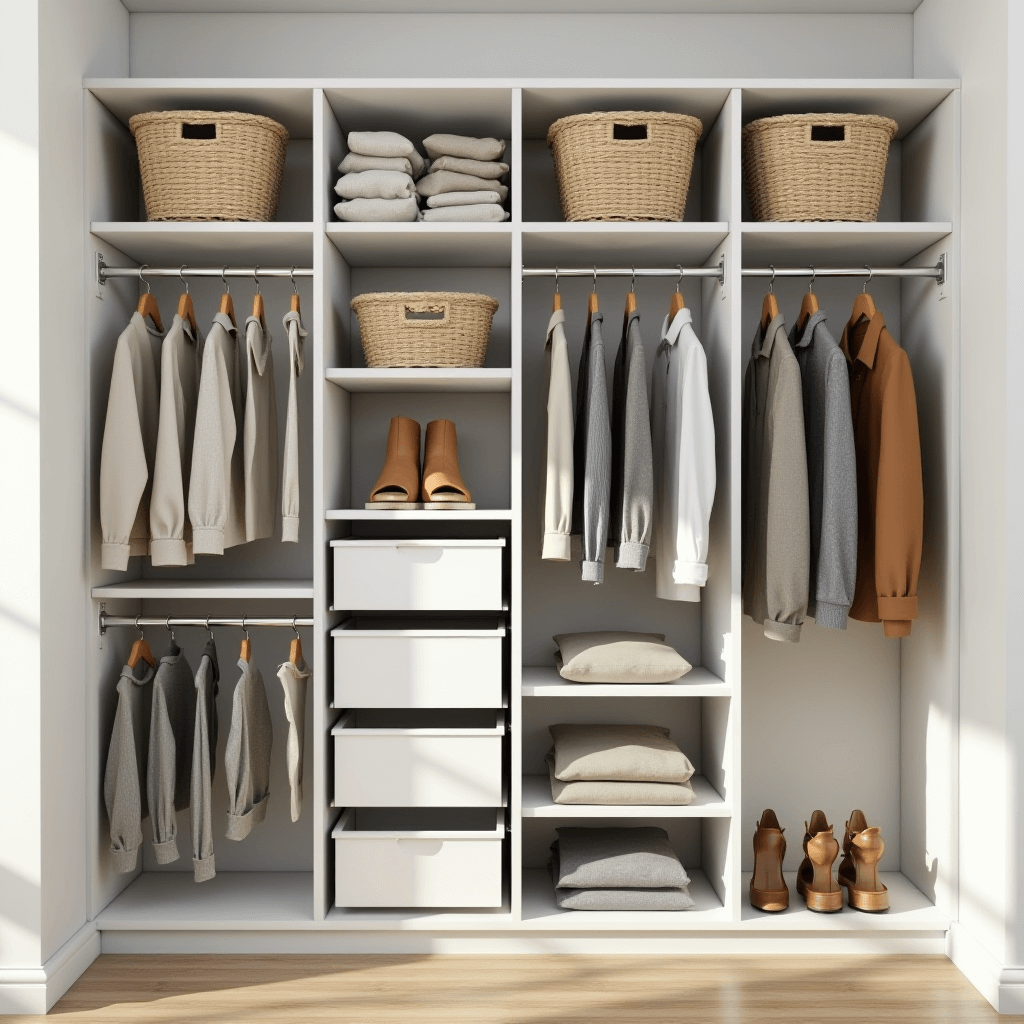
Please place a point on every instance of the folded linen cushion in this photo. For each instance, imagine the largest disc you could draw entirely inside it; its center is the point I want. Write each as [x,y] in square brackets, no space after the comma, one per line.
[480,168]
[617,858]
[666,898]
[619,753]
[462,199]
[380,144]
[436,182]
[378,210]
[617,656]
[479,212]
[464,146]
[375,185]
[619,793]
[358,162]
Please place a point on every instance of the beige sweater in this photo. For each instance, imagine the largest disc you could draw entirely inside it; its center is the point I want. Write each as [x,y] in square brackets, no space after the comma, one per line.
[216,496]
[260,468]
[171,542]
[557,473]
[129,447]
[290,466]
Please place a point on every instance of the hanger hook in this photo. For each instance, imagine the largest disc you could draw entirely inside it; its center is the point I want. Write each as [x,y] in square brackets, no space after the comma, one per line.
[167,626]
[256,277]
[294,627]
[291,274]
[595,278]
[864,287]
[556,280]
[679,279]
[810,287]
[224,280]
[210,631]
[143,279]
[181,276]
[632,279]
[244,630]
[142,632]
[771,283]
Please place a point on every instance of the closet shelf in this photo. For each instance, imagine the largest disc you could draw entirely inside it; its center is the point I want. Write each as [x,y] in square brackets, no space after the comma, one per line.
[422,514]
[824,243]
[209,590]
[537,803]
[689,243]
[545,681]
[421,380]
[423,244]
[209,243]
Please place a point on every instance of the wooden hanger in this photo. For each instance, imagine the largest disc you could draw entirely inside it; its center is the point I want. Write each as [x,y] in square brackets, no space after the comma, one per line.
[257,299]
[295,294]
[295,648]
[592,300]
[186,310]
[770,305]
[227,304]
[140,650]
[147,303]
[864,306]
[808,307]
[677,302]
[556,302]
[245,651]
[631,296]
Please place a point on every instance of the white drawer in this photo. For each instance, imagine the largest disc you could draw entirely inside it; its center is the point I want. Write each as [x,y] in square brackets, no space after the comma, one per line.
[434,767]
[417,868]
[418,575]
[417,668]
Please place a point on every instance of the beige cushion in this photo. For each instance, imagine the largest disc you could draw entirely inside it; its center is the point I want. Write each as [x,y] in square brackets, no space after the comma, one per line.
[618,657]
[618,753]
[627,793]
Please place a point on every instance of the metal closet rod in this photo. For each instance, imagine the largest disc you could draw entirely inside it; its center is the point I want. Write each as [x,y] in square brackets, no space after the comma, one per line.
[938,272]
[245,622]
[103,272]
[623,272]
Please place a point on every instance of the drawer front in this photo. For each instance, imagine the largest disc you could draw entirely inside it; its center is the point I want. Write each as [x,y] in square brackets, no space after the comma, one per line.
[416,771]
[417,672]
[417,872]
[417,578]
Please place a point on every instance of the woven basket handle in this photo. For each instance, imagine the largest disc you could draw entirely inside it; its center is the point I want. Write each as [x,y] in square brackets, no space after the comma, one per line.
[205,131]
[407,308]
[630,132]
[828,133]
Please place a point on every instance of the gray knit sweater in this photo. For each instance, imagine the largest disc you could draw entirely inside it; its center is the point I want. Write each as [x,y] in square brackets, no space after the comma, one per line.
[204,763]
[831,472]
[632,489]
[592,455]
[247,754]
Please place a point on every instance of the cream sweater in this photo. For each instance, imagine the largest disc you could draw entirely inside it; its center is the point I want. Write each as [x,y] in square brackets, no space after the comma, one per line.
[129,447]
[216,496]
[290,466]
[260,434]
[557,479]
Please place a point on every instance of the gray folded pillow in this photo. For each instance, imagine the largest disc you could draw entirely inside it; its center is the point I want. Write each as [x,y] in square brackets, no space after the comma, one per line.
[667,898]
[618,753]
[480,168]
[617,656]
[358,162]
[464,146]
[385,144]
[617,858]
[611,792]
[451,181]
[462,199]
[481,212]
[376,185]
[378,210]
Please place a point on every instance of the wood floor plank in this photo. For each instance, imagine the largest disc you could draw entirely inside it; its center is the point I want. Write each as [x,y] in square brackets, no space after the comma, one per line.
[553,989]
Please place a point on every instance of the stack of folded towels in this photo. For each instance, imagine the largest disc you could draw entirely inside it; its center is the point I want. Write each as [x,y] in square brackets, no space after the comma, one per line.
[617,764]
[617,869]
[384,177]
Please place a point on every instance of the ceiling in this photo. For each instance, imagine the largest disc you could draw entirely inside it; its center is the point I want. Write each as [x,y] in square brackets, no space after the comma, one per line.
[521,6]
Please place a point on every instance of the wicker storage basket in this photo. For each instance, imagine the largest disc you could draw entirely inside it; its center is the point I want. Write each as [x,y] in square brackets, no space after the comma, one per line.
[624,165]
[209,165]
[424,328]
[816,166]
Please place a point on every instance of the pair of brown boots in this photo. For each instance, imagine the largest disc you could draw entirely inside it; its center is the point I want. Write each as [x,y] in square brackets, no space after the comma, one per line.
[400,484]
[862,850]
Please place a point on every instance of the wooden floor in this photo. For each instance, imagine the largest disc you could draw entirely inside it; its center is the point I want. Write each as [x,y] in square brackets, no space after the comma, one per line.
[523,989]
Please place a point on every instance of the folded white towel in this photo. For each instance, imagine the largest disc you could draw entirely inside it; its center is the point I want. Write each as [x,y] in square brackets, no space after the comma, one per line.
[370,210]
[462,199]
[375,185]
[451,181]
[464,146]
[358,162]
[481,168]
[477,212]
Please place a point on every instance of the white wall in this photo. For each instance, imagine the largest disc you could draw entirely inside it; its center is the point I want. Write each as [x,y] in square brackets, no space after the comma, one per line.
[524,45]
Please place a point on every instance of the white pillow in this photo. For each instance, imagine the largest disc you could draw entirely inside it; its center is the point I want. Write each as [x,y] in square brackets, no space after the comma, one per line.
[618,657]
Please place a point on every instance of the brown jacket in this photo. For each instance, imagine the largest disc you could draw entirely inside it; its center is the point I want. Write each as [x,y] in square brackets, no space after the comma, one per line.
[890,489]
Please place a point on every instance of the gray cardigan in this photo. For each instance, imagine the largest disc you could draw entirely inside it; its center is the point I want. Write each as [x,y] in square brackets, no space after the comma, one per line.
[831,472]
[592,454]
[632,489]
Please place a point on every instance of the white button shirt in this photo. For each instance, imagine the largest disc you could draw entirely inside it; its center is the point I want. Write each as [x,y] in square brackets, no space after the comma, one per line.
[683,436]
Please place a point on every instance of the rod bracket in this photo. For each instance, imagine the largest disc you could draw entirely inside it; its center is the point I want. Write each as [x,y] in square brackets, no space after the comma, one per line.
[721,271]
[101,275]
[103,619]
[940,278]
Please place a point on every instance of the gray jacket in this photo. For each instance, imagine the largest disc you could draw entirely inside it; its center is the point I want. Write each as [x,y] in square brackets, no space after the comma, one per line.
[632,489]
[592,454]
[831,472]
[171,729]
[776,530]
[247,754]
[204,763]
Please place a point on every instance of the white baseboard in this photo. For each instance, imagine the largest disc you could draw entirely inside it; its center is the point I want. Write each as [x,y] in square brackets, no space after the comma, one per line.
[35,990]
[1002,986]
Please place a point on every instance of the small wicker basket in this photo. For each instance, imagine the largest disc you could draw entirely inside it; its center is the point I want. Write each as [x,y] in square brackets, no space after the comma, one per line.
[816,166]
[424,328]
[624,165]
[209,165]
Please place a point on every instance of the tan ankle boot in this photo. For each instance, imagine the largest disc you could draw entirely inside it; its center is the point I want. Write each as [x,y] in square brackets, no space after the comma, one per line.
[768,889]
[814,879]
[865,891]
[442,481]
[399,480]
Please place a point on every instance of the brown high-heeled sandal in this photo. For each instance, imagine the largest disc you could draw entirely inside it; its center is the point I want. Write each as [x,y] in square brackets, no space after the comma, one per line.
[814,879]
[859,870]
[399,481]
[768,889]
[442,482]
